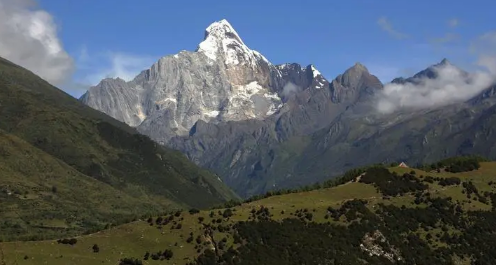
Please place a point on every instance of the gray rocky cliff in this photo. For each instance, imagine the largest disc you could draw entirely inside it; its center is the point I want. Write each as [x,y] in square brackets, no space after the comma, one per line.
[252,156]
[223,80]
[227,108]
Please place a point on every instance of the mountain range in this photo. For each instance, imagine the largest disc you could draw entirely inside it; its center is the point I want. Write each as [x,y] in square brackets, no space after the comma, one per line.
[261,126]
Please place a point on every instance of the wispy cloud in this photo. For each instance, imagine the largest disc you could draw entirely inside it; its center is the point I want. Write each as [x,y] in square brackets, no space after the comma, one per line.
[83,55]
[484,48]
[447,38]
[451,85]
[28,37]
[454,22]
[112,65]
[387,26]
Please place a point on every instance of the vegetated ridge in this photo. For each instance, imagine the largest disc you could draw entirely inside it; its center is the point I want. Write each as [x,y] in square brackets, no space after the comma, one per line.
[66,169]
[371,215]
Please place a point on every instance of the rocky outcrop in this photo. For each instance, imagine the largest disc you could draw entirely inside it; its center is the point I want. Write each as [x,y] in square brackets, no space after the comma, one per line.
[376,244]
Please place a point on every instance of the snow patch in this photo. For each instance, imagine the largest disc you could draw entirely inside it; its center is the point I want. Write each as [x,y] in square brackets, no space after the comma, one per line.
[320,84]
[315,72]
[209,47]
[273,109]
[211,113]
[165,100]
[214,34]
[282,66]
[241,99]
[244,92]
[260,56]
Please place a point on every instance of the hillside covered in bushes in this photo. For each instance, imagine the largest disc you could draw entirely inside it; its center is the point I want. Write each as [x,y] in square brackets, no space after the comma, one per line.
[372,215]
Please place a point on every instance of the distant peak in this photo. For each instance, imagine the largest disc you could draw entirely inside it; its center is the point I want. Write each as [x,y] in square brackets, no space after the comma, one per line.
[352,76]
[444,61]
[113,79]
[357,67]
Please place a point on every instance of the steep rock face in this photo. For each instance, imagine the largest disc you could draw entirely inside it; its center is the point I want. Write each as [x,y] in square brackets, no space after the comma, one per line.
[486,96]
[355,84]
[419,136]
[255,156]
[117,99]
[316,107]
[223,80]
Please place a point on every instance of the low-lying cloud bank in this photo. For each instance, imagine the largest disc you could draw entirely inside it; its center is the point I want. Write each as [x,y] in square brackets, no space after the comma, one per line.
[452,85]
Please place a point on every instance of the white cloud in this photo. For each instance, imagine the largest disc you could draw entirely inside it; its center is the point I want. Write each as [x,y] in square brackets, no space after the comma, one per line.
[484,44]
[451,86]
[485,49]
[385,25]
[29,38]
[448,37]
[454,22]
[290,88]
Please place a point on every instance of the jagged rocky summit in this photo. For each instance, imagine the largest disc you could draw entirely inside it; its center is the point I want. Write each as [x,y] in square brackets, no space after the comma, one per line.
[223,80]
[228,108]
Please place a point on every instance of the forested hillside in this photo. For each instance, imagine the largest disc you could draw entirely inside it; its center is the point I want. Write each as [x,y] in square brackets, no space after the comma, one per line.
[66,168]
[372,215]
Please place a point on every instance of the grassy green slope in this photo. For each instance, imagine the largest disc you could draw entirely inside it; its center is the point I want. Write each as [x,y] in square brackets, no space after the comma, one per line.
[101,170]
[46,197]
[396,214]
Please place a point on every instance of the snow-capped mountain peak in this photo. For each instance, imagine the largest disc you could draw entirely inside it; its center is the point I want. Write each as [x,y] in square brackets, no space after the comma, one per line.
[222,29]
[222,41]
[223,80]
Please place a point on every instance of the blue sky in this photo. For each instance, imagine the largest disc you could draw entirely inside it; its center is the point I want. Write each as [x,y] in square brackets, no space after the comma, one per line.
[391,37]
